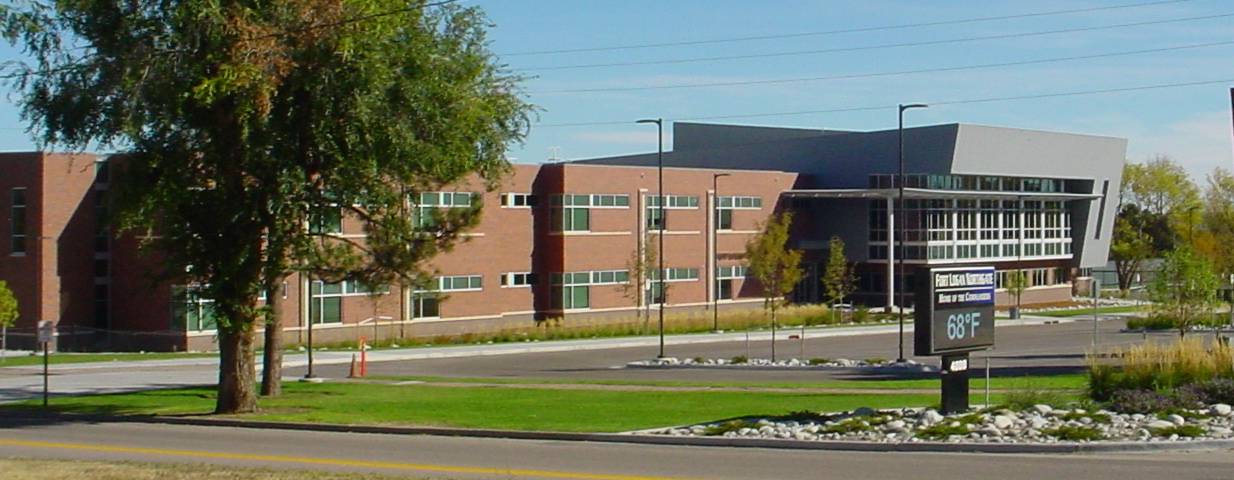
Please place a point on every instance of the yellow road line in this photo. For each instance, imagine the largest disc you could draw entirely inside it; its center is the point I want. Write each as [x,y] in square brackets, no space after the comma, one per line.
[338,462]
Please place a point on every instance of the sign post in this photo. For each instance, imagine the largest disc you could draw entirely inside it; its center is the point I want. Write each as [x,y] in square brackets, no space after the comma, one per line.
[47,331]
[954,315]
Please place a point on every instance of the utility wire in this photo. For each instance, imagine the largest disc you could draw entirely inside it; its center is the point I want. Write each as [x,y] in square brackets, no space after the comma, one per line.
[873,47]
[884,74]
[836,32]
[893,106]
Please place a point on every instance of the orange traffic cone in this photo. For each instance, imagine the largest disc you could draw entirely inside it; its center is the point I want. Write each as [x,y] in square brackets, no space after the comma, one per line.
[352,373]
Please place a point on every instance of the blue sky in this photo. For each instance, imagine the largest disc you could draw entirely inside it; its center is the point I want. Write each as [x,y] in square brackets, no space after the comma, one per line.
[1191,124]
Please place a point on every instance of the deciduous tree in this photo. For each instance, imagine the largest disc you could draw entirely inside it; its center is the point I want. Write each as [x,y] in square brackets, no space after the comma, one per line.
[245,123]
[1185,288]
[8,315]
[776,266]
[839,280]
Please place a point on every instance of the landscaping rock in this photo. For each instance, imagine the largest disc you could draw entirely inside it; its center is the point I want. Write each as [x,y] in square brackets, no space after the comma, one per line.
[1159,424]
[1220,410]
[1043,409]
[1003,426]
[931,417]
[1003,422]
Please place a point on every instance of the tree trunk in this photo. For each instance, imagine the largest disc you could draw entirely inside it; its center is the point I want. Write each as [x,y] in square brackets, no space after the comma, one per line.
[237,372]
[272,358]
[773,332]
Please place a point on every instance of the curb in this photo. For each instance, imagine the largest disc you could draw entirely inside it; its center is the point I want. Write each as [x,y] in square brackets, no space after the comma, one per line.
[643,439]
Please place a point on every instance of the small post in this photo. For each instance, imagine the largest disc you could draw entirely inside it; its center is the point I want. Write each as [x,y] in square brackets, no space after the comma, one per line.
[1096,296]
[987,379]
[45,375]
[955,383]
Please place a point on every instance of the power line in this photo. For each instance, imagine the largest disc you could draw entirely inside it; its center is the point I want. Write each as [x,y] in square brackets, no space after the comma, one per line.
[884,74]
[873,47]
[841,31]
[893,106]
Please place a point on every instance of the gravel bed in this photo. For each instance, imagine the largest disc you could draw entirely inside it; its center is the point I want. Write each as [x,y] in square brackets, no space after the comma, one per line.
[763,363]
[1039,424]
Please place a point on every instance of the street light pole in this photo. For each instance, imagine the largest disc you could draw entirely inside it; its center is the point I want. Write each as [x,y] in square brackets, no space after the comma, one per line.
[901,232]
[715,250]
[660,220]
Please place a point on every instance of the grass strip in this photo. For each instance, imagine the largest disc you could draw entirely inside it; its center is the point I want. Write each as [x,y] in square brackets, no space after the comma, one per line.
[1040,382]
[68,358]
[480,407]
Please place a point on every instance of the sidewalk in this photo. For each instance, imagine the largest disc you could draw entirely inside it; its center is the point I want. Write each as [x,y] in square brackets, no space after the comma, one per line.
[336,357]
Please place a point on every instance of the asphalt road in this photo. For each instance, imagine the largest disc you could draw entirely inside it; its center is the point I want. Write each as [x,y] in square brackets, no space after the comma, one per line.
[446,457]
[1021,350]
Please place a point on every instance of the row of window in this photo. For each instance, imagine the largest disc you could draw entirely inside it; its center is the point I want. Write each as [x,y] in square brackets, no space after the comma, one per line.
[972,182]
[571,290]
[1037,277]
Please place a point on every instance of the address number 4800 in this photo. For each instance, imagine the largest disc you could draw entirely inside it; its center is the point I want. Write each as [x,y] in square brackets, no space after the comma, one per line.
[963,325]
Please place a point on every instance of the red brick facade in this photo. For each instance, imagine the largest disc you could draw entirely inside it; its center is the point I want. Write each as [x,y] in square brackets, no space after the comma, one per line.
[102,292]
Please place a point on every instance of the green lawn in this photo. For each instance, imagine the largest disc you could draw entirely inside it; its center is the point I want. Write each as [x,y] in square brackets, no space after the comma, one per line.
[489,407]
[63,358]
[1052,382]
[1088,311]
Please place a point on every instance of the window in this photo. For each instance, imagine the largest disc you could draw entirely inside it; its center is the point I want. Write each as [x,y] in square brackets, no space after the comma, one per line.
[17,239]
[571,219]
[654,219]
[724,289]
[518,279]
[102,237]
[329,220]
[326,302]
[189,310]
[458,283]
[102,172]
[677,274]
[674,201]
[425,305]
[518,200]
[431,200]
[361,288]
[738,202]
[724,219]
[101,308]
[735,271]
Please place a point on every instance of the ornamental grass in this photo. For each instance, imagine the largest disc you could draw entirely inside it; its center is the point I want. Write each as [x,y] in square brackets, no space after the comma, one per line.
[1159,367]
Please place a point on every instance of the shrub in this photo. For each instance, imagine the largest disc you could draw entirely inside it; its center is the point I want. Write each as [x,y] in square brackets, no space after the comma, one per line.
[738,360]
[802,416]
[1160,321]
[1220,390]
[1151,322]
[819,361]
[1141,401]
[1180,430]
[861,315]
[876,360]
[852,425]
[1075,434]
[729,426]
[698,359]
[940,431]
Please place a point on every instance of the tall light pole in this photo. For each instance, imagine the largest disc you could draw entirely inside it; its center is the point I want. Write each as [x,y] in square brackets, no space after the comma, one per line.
[715,250]
[901,233]
[660,214]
